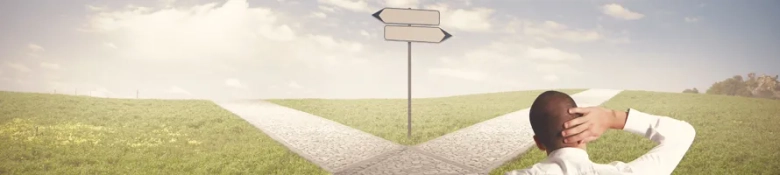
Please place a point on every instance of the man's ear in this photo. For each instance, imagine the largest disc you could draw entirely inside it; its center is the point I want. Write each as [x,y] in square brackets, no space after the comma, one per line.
[539,144]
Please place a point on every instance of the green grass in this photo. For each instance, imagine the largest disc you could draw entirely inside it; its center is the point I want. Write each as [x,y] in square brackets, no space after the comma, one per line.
[58,134]
[431,117]
[734,135]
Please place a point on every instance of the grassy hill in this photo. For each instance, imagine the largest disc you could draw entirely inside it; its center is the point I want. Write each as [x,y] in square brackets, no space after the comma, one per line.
[60,134]
[734,135]
[431,117]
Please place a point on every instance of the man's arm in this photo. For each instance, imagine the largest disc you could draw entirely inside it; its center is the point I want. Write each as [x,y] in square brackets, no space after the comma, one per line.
[674,138]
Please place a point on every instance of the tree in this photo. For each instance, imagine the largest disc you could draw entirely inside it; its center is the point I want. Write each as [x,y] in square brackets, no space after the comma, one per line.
[763,86]
[734,86]
[693,91]
[766,87]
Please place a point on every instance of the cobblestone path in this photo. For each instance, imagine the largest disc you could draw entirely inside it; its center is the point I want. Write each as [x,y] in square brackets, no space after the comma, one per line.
[489,144]
[328,144]
[342,150]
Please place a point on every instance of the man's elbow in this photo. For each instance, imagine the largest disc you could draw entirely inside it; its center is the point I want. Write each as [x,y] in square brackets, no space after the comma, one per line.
[688,132]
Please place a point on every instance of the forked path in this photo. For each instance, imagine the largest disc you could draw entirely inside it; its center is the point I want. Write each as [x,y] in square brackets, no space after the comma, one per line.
[489,144]
[328,144]
[340,149]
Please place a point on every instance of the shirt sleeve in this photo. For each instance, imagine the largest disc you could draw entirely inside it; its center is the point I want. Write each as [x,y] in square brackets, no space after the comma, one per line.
[674,138]
[519,172]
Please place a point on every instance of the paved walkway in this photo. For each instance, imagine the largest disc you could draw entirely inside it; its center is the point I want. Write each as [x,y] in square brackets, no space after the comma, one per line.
[343,150]
[489,144]
[328,144]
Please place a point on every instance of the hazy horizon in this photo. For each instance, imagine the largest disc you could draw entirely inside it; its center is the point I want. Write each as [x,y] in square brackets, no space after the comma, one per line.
[270,49]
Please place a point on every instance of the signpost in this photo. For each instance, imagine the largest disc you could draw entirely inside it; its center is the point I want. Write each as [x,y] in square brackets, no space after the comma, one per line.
[411,25]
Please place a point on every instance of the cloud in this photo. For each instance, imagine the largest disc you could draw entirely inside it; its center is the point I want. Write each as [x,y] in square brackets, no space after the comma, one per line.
[110,45]
[178,90]
[691,19]
[100,92]
[167,3]
[351,5]
[366,34]
[51,66]
[318,15]
[326,9]
[552,30]
[208,33]
[18,67]
[474,20]
[294,85]
[95,8]
[458,73]
[199,32]
[35,47]
[620,12]
[550,78]
[234,83]
[551,54]
[557,68]
[402,3]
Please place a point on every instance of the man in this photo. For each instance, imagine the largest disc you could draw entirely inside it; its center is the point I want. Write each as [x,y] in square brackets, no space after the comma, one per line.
[563,131]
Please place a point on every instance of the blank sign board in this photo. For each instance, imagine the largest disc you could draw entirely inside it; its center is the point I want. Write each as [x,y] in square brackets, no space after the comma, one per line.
[408,16]
[415,34]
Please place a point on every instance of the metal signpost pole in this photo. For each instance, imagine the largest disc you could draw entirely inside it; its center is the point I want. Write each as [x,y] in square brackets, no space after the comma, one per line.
[402,30]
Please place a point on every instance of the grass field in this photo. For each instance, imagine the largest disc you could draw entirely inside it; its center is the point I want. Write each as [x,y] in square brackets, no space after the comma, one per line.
[59,134]
[431,117]
[734,135]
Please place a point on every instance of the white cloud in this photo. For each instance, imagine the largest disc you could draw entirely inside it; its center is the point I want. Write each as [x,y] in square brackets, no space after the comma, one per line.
[326,9]
[617,11]
[167,3]
[352,5]
[365,33]
[402,3]
[474,20]
[557,68]
[551,54]
[458,73]
[95,8]
[52,66]
[100,92]
[691,19]
[552,30]
[467,2]
[110,45]
[35,47]
[178,90]
[294,85]
[550,78]
[234,83]
[18,67]
[232,32]
[199,32]
[318,15]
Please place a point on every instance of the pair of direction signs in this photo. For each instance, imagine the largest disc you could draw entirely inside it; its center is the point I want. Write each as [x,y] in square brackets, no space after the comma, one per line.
[412,25]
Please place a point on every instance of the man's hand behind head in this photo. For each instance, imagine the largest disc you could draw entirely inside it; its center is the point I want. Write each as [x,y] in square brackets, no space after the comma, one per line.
[594,122]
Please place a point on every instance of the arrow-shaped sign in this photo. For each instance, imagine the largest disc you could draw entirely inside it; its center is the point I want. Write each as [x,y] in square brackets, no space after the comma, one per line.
[408,16]
[415,34]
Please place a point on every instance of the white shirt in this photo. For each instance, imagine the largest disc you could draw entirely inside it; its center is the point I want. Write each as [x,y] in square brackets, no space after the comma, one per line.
[674,137]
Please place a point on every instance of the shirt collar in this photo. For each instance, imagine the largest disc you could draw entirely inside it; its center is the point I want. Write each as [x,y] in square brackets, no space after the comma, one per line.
[569,153]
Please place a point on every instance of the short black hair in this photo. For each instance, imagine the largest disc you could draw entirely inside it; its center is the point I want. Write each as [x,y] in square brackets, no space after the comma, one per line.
[547,115]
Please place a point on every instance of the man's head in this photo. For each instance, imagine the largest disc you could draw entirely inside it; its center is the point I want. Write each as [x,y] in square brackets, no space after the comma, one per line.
[548,113]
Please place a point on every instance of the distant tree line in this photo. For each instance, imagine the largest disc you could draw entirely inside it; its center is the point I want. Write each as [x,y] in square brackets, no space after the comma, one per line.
[763,86]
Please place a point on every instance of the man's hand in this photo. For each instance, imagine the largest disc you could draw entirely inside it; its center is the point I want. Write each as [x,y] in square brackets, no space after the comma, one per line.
[594,122]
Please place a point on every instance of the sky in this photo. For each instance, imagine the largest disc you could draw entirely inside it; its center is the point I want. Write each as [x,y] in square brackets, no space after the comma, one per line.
[260,49]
